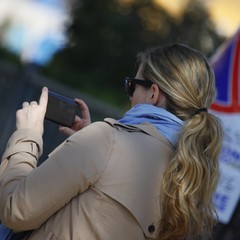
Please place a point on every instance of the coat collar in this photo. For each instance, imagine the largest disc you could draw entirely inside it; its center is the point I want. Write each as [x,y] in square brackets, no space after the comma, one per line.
[145,127]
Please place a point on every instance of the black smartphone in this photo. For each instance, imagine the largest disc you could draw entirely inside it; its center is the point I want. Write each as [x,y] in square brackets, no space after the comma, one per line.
[60,109]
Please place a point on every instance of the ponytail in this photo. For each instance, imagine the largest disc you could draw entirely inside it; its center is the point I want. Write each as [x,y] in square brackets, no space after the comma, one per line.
[191,176]
[191,179]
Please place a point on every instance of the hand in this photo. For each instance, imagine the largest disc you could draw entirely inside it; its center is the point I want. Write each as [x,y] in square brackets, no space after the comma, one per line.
[79,123]
[32,114]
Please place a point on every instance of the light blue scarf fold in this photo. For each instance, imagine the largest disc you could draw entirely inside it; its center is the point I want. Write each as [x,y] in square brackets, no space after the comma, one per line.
[167,123]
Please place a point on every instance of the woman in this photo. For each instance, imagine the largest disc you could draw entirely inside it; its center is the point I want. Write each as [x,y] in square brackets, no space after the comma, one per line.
[150,175]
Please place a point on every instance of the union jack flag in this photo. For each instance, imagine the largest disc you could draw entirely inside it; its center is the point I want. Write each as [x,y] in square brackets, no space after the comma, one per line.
[226,65]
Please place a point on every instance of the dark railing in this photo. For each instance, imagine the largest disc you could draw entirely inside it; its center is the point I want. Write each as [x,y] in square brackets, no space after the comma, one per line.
[24,84]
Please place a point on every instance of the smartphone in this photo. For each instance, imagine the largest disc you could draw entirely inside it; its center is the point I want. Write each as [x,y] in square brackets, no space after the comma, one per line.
[60,109]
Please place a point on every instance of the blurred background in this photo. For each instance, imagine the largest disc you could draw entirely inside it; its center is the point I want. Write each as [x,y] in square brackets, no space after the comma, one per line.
[84,49]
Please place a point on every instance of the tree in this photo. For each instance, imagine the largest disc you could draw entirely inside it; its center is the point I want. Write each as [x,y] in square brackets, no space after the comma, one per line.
[106,35]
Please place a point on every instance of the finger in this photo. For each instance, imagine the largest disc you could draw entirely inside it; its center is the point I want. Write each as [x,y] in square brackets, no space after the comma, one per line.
[84,109]
[33,103]
[43,100]
[77,119]
[67,131]
[25,104]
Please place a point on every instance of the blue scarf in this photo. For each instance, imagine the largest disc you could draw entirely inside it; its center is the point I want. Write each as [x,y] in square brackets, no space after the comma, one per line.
[167,123]
[5,233]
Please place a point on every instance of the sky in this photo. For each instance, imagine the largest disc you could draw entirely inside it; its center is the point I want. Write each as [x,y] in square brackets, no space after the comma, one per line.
[224,13]
[35,29]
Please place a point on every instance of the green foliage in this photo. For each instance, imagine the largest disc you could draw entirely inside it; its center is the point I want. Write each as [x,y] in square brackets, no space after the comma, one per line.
[105,37]
[9,56]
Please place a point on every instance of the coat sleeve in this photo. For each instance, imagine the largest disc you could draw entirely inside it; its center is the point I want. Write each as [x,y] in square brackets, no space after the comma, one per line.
[29,195]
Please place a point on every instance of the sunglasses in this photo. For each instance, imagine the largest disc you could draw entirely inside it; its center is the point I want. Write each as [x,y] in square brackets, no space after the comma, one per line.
[130,84]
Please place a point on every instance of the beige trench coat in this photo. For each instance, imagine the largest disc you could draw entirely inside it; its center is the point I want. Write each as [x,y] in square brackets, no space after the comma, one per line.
[101,183]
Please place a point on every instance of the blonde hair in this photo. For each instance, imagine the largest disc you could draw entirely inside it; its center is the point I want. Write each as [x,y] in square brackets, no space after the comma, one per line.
[190,179]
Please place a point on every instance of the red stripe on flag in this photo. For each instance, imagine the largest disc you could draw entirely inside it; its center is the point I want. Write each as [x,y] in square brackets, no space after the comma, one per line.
[235,101]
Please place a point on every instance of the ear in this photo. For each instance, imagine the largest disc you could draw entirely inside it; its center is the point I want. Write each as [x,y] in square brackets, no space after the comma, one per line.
[158,98]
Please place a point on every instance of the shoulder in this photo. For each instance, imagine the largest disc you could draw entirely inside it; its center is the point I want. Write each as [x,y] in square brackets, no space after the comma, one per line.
[96,129]
[96,134]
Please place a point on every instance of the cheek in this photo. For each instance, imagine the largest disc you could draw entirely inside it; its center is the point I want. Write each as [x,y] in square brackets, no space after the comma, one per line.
[133,101]
[138,97]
